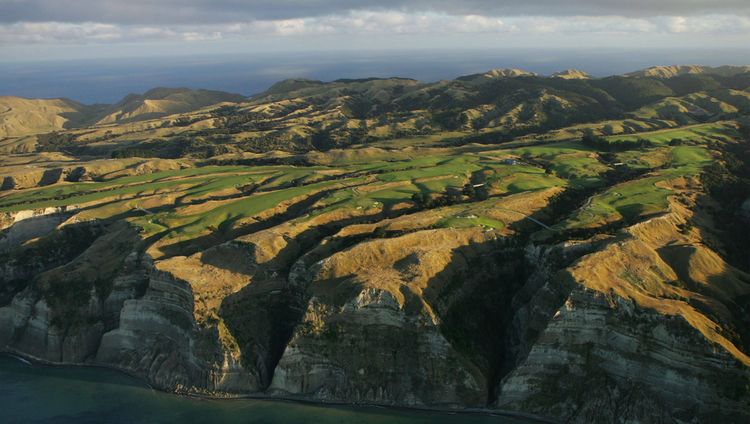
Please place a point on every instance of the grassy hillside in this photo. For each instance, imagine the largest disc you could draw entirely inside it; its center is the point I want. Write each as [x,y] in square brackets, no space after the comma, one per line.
[160,102]
[19,116]
[297,115]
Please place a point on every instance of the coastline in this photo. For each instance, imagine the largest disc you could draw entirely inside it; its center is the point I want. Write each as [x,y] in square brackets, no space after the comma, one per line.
[34,361]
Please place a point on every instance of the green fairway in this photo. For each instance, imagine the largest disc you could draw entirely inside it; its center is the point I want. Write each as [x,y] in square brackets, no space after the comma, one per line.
[470,221]
[224,216]
[385,184]
[718,131]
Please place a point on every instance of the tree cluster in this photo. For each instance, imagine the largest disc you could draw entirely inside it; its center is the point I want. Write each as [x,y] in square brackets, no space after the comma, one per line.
[600,143]
[451,196]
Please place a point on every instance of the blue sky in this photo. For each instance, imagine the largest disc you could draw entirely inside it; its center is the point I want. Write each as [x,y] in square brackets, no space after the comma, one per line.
[54,29]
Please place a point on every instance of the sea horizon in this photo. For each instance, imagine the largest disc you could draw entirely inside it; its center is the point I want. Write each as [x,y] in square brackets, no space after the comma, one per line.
[107,80]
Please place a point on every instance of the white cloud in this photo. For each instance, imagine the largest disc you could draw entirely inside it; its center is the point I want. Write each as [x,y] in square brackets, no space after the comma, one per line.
[40,32]
[200,36]
[369,22]
[588,24]
[478,23]
[709,24]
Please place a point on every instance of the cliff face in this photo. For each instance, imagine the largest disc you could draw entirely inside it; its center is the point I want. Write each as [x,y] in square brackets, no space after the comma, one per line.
[19,227]
[624,363]
[154,334]
[609,328]
[371,350]
[371,332]
[580,329]
[642,330]
[79,261]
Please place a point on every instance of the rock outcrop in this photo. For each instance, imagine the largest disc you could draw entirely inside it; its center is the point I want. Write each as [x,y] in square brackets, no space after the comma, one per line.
[624,362]
[19,227]
[371,308]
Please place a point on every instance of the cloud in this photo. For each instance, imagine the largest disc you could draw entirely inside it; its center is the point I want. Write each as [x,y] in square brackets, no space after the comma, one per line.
[372,23]
[108,21]
[44,32]
[197,12]
[198,36]
[711,24]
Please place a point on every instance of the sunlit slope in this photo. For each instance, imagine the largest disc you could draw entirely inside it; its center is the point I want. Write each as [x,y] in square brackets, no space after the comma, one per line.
[19,116]
[572,74]
[676,70]
[160,102]
[300,115]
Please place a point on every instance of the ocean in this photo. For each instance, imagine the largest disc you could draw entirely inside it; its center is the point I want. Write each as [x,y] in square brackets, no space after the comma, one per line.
[108,80]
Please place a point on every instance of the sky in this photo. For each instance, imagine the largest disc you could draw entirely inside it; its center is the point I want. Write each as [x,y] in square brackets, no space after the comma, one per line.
[33,30]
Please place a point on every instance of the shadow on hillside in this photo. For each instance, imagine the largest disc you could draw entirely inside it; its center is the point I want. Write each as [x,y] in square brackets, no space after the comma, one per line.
[54,248]
[30,228]
[263,315]
[226,230]
[728,238]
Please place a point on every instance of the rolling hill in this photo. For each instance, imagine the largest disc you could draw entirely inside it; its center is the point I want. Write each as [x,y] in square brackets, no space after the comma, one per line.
[677,70]
[21,117]
[159,102]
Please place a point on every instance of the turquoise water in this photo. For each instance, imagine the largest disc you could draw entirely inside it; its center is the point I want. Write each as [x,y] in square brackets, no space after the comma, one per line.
[45,394]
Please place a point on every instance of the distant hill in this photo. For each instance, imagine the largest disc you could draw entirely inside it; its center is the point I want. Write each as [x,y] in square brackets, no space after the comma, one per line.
[292,84]
[507,73]
[20,116]
[160,102]
[571,74]
[498,73]
[676,70]
[300,115]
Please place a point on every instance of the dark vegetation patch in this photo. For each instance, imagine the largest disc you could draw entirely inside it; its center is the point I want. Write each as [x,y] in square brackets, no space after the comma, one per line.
[728,182]
[56,142]
[601,144]
[51,251]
